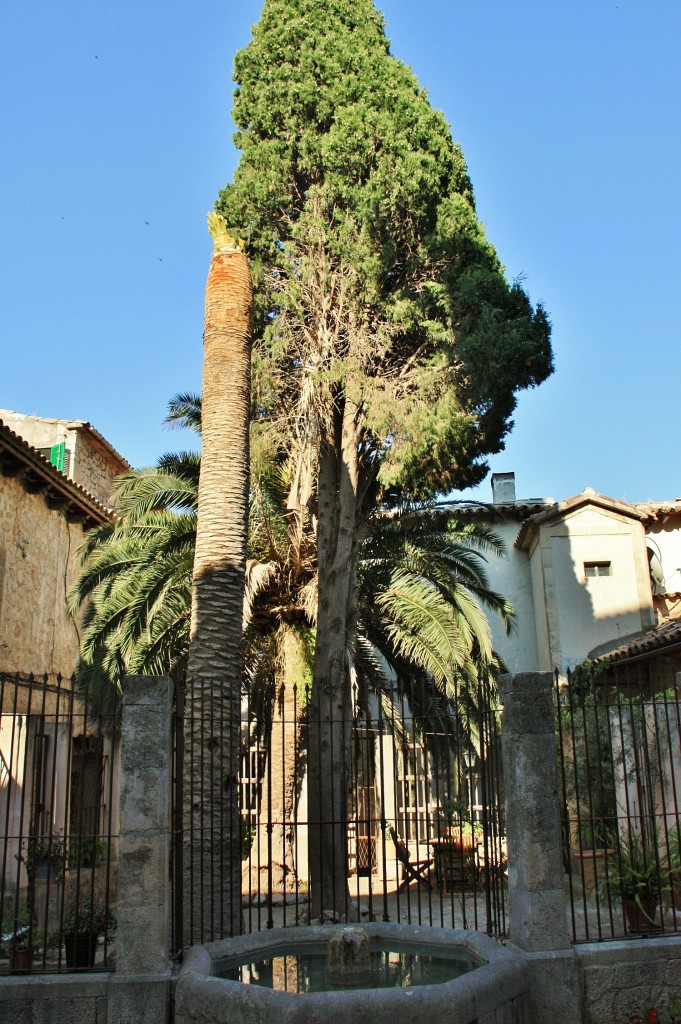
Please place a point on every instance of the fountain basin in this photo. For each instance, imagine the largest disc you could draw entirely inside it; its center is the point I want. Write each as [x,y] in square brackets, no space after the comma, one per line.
[494,991]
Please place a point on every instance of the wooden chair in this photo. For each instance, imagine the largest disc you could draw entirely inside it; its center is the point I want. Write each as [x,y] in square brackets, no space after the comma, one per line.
[456,864]
[412,870]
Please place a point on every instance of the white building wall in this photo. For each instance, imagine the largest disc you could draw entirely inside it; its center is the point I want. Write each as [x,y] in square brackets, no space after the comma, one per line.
[591,611]
[541,624]
[511,577]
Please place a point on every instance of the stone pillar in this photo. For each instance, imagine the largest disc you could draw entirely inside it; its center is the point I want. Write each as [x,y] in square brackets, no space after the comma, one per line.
[139,991]
[537,904]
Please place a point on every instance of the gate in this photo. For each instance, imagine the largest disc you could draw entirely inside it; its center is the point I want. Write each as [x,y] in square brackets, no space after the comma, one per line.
[425,768]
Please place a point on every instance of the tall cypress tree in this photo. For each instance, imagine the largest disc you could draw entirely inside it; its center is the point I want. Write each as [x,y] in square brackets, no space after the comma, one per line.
[388,340]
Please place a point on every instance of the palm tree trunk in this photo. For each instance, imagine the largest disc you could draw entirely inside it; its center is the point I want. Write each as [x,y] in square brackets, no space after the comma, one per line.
[212,826]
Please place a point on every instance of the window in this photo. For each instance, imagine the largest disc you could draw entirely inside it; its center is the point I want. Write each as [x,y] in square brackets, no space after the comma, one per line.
[58,455]
[597,569]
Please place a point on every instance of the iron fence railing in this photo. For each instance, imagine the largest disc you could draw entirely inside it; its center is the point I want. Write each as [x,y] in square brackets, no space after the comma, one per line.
[58,826]
[619,744]
[425,836]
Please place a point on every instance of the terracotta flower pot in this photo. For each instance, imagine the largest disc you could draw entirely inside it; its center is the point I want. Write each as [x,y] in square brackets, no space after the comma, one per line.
[20,960]
[641,916]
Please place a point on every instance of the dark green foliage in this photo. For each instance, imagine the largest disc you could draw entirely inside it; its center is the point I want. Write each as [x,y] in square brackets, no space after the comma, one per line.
[87,917]
[374,279]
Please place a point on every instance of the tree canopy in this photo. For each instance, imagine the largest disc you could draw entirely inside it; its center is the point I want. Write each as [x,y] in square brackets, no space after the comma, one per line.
[374,278]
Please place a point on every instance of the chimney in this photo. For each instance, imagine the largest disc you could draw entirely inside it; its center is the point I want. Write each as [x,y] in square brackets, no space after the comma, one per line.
[503,487]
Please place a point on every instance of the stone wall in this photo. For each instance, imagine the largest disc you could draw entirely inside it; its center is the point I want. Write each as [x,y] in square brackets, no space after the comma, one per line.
[93,467]
[37,565]
[55,1000]
[619,978]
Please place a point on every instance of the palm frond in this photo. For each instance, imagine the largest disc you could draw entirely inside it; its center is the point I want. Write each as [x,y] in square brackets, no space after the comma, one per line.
[184,412]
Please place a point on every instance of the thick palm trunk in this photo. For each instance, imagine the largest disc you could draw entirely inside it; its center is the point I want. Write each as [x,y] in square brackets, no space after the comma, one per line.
[212,825]
[330,735]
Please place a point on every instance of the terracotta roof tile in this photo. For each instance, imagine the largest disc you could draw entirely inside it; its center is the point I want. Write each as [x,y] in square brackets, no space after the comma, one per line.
[664,635]
[659,509]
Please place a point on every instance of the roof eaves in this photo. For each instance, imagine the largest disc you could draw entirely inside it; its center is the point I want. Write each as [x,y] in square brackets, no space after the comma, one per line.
[500,510]
[561,508]
[86,426]
[666,635]
[651,511]
[17,456]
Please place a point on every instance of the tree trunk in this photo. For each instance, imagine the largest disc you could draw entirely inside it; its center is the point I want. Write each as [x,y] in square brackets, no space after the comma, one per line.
[330,735]
[212,824]
[272,863]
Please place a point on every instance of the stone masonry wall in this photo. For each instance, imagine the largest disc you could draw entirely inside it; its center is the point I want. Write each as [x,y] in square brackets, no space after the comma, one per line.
[94,468]
[37,564]
[619,979]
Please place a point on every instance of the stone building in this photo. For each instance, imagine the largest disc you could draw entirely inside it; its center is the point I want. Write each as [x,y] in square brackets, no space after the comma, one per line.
[55,484]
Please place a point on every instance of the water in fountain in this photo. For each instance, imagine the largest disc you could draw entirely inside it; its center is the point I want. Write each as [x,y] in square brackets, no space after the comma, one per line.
[350,961]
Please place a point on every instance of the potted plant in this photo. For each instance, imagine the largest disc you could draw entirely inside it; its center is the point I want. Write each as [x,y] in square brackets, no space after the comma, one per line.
[20,946]
[85,851]
[84,921]
[635,874]
[45,855]
[451,815]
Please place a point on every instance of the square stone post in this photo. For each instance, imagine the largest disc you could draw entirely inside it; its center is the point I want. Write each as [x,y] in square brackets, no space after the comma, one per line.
[139,991]
[537,903]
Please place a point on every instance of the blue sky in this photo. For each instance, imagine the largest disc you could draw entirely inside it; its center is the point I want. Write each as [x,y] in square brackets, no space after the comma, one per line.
[116,126]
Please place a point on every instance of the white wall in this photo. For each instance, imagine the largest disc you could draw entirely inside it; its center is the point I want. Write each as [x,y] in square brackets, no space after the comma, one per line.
[591,611]
[511,577]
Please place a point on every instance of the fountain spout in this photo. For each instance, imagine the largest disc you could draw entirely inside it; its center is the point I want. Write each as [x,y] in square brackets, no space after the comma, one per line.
[348,958]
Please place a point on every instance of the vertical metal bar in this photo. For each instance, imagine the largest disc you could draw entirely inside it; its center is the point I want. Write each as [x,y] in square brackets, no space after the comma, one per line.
[249,790]
[270,825]
[674,831]
[423,793]
[178,823]
[295,846]
[383,822]
[608,698]
[110,732]
[22,805]
[563,795]
[500,824]
[415,790]
[603,796]
[283,825]
[5,768]
[398,759]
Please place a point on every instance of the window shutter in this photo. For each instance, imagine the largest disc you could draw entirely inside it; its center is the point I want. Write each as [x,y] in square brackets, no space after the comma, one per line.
[57,454]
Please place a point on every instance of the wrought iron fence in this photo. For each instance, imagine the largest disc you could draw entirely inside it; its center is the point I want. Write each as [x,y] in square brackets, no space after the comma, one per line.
[58,826]
[619,742]
[423,826]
